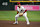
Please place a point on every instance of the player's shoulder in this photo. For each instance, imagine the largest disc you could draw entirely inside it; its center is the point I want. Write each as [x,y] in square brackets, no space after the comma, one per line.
[22,6]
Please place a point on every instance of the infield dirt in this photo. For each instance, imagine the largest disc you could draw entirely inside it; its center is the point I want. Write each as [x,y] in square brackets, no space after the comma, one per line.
[21,24]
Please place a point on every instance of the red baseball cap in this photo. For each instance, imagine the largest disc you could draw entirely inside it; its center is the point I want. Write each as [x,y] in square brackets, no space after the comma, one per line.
[18,3]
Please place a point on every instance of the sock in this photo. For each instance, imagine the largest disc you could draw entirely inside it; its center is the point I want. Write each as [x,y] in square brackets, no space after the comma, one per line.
[16,19]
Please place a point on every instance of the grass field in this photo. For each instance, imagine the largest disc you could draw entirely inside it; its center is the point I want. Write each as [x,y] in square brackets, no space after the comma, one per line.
[10,15]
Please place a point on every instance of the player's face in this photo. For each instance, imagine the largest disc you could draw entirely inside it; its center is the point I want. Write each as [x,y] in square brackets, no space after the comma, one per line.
[19,5]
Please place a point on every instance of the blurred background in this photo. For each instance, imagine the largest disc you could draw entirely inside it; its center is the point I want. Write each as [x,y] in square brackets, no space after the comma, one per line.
[8,10]
[6,5]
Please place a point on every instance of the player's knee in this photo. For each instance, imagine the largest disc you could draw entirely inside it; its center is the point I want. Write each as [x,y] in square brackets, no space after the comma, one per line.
[24,15]
[16,16]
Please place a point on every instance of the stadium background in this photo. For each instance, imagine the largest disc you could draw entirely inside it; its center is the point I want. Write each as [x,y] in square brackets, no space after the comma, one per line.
[7,12]
[11,5]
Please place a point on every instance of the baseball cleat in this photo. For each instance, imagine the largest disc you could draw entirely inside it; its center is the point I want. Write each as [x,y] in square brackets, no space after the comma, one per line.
[15,23]
[28,23]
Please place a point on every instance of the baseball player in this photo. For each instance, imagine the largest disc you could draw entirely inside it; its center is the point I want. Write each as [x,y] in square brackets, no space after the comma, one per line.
[21,11]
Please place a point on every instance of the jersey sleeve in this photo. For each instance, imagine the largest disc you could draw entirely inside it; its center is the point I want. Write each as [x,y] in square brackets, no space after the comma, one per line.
[23,8]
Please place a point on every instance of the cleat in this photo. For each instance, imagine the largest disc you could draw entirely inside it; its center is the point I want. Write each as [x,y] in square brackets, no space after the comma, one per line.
[15,23]
[28,23]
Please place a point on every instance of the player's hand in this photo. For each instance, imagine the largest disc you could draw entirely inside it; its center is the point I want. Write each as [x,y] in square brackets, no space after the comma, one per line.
[20,14]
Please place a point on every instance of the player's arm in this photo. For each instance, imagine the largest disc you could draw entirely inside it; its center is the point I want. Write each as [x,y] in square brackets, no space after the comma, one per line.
[25,11]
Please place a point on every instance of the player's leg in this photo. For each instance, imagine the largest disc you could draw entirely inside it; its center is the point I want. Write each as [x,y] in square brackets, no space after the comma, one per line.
[25,15]
[16,22]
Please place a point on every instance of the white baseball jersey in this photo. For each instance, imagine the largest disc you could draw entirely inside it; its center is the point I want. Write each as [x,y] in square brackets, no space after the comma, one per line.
[25,14]
[21,9]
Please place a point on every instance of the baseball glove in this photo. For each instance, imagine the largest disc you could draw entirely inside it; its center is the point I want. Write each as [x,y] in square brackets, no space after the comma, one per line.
[20,14]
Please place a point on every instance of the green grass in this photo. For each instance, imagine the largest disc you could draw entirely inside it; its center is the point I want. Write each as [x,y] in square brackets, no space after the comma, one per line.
[10,15]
